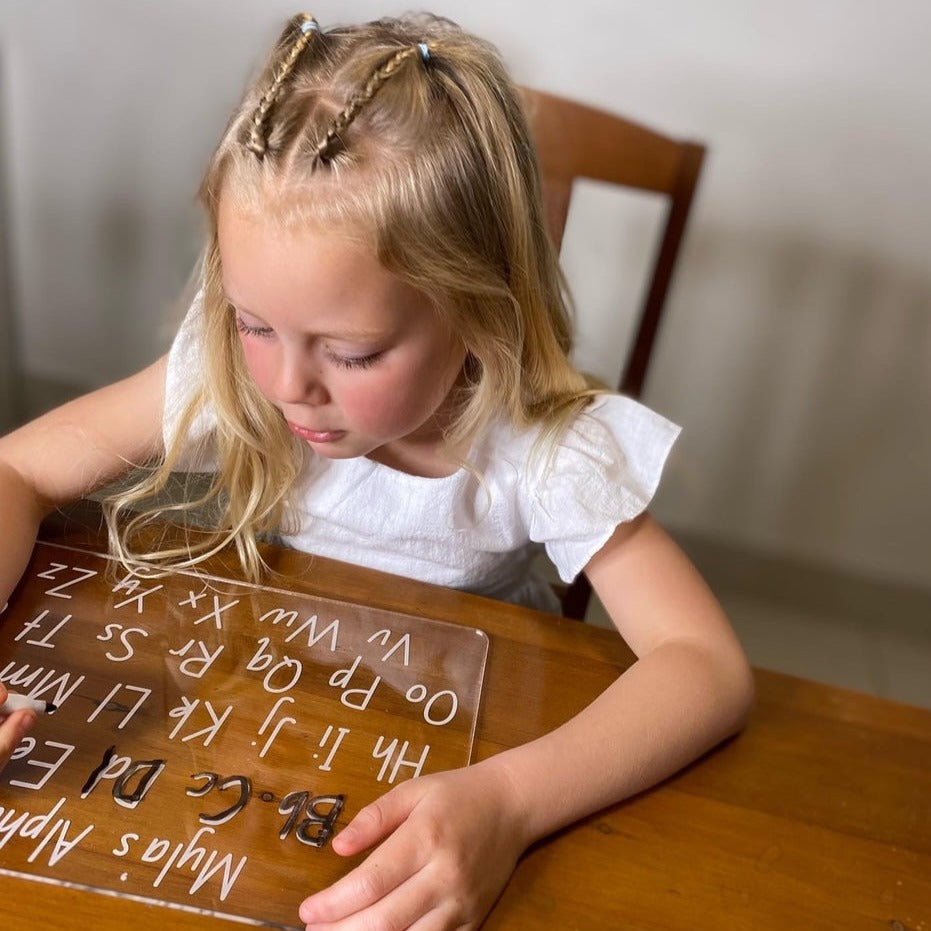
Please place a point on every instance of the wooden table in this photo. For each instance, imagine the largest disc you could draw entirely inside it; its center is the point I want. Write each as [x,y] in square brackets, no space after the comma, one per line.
[818,816]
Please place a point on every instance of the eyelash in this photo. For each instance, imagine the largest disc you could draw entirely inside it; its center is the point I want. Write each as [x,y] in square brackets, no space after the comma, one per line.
[261,331]
[358,362]
[345,362]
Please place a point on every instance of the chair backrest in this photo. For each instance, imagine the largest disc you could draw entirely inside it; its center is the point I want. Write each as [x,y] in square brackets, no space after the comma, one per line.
[577,141]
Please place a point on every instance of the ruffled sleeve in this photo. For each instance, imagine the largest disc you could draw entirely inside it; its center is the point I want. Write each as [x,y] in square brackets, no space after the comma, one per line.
[183,381]
[604,471]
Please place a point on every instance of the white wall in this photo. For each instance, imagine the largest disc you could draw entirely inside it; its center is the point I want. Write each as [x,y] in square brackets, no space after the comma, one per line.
[797,347]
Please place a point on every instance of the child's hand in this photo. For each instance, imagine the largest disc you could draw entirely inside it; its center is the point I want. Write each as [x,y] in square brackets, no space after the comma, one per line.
[451,842]
[12,729]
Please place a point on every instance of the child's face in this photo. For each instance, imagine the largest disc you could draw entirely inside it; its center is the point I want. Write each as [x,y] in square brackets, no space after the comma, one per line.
[358,361]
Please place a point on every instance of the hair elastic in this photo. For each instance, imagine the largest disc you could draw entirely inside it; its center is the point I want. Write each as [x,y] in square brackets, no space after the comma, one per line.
[424,51]
[309,25]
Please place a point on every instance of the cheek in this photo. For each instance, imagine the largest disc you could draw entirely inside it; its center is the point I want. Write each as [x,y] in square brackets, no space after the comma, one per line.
[373,403]
[258,362]
[380,402]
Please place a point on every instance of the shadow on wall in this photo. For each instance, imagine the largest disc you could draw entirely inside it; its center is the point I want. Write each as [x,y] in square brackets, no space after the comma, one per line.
[116,291]
[802,377]
[10,383]
[121,267]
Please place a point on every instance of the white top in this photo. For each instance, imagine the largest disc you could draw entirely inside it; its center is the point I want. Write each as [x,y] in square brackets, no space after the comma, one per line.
[478,531]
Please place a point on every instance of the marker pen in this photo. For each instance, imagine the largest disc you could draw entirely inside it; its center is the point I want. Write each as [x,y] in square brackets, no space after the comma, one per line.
[19,702]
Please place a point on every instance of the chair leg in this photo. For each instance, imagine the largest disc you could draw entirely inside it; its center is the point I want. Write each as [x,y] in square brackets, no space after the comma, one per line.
[575,600]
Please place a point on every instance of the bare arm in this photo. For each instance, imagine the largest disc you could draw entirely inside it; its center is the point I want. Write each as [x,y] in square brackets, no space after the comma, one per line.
[70,452]
[450,840]
[690,688]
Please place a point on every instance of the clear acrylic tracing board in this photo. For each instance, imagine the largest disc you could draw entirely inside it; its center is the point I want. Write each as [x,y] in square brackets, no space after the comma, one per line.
[211,736]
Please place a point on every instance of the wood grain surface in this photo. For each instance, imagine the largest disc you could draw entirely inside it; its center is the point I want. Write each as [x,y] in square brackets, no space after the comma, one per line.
[817,816]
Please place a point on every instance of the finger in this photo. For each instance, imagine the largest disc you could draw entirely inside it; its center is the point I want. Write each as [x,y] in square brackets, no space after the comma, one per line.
[385,870]
[375,822]
[442,919]
[12,731]
[405,906]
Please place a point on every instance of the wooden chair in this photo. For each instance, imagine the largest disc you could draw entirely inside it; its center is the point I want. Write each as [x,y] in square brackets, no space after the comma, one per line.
[578,141]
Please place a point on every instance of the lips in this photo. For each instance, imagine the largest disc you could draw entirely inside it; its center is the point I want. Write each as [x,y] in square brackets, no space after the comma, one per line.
[316,436]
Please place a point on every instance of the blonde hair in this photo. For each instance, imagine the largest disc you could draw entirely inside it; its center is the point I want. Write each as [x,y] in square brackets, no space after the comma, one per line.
[411,132]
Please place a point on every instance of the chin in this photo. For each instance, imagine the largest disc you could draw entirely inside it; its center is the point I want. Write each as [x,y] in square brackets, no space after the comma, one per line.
[333,451]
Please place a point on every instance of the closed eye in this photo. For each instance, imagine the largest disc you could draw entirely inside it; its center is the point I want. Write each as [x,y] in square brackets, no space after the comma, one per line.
[355,362]
[249,330]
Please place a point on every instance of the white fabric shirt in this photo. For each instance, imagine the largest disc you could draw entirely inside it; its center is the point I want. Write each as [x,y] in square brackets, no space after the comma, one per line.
[475,530]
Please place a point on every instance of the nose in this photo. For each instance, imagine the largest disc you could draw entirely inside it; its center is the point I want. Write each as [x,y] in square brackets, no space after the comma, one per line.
[296,382]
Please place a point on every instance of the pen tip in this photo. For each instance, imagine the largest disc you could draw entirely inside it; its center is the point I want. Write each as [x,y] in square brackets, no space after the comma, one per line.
[50,708]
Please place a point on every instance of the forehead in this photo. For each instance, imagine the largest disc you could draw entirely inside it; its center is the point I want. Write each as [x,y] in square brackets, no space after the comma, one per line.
[289,273]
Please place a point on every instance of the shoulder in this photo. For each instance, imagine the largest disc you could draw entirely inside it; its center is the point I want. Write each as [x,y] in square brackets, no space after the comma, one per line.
[616,429]
[187,346]
[602,470]
[186,418]
[614,441]
[610,437]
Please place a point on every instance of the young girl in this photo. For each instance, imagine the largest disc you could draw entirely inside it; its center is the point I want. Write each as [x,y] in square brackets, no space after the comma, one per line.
[375,368]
